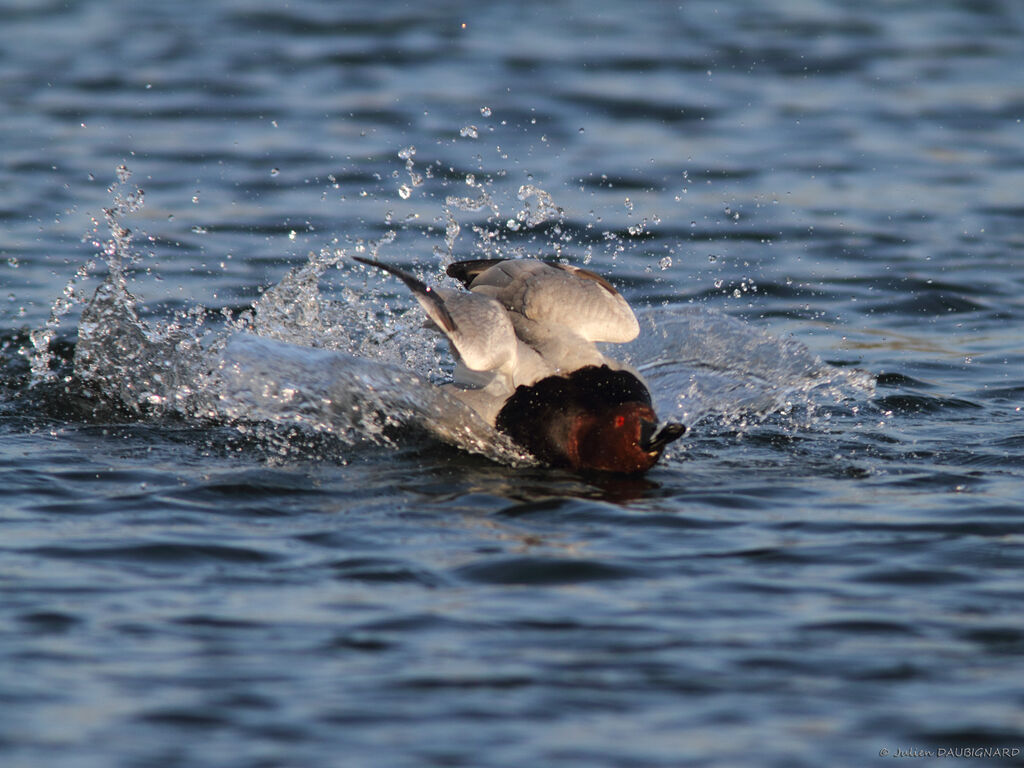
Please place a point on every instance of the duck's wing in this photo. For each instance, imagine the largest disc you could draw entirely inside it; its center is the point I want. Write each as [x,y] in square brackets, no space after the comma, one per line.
[477,326]
[553,295]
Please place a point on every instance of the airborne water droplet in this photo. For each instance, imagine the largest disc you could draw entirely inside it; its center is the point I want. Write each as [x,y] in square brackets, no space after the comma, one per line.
[485,111]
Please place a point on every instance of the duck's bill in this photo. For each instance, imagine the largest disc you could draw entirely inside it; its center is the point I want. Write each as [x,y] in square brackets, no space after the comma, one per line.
[654,441]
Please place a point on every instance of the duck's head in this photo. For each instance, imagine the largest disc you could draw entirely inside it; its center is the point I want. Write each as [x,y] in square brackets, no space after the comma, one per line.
[624,439]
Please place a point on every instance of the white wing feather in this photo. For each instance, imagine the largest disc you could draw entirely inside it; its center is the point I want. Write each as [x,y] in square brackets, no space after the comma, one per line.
[521,321]
[560,296]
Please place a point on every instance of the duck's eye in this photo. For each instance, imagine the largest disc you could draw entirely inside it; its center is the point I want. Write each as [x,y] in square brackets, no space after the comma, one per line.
[620,421]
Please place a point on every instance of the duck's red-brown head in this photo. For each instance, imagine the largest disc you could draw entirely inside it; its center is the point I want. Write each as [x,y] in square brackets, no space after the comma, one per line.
[594,419]
[624,439]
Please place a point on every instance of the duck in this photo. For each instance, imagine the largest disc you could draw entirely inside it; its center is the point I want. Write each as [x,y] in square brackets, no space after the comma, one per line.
[524,336]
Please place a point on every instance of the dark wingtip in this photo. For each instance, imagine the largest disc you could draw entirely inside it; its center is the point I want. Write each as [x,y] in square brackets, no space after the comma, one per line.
[467,271]
[415,285]
[399,273]
[421,290]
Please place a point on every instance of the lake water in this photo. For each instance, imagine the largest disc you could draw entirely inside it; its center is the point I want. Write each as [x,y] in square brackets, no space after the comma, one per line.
[229,535]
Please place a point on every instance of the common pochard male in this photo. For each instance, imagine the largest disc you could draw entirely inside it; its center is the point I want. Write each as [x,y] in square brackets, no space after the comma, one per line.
[524,337]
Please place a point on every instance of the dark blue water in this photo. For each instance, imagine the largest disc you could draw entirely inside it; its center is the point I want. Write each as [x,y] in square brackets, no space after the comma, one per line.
[813,576]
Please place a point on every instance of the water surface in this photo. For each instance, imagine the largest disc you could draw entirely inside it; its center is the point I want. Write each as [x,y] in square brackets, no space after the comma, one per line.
[816,210]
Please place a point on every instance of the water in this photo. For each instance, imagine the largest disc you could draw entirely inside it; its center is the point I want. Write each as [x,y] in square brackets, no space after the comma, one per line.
[240,527]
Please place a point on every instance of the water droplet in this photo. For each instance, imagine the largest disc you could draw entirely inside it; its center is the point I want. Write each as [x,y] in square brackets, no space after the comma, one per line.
[581,130]
[275,171]
[469,132]
[485,111]
[666,262]
[712,258]
[512,224]
[404,191]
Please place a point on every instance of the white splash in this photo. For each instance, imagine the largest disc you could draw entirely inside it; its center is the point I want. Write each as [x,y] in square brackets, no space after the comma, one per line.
[361,369]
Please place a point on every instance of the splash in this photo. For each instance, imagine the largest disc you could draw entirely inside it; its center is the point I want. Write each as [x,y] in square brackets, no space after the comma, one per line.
[355,363]
[701,363]
[296,360]
[117,254]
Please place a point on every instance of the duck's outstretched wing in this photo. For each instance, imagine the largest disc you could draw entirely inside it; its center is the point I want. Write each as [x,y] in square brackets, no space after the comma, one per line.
[553,295]
[477,326]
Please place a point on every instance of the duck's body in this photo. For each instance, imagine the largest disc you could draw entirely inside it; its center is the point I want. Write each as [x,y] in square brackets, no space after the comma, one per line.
[526,361]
